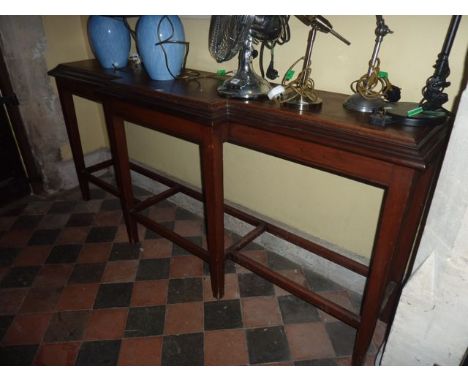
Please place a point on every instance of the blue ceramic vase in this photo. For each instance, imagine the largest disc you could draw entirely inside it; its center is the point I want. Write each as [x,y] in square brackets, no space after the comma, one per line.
[160,42]
[110,41]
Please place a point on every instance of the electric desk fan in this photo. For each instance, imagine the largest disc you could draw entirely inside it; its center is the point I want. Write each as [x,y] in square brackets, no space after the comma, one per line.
[230,35]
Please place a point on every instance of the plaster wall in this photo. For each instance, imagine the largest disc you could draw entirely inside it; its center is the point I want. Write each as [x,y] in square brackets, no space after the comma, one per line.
[24,46]
[430,325]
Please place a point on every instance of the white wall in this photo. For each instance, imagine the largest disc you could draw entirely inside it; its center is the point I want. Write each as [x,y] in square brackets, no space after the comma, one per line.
[431,323]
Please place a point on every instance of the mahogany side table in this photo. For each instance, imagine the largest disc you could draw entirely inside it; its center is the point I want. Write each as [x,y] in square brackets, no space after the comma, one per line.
[404,161]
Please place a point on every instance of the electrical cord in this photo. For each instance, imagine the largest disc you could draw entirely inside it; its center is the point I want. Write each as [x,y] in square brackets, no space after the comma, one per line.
[169,41]
[367,84]
[296,87]
[284,37]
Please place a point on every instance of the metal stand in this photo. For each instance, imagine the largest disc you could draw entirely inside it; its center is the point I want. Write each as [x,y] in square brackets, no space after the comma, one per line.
[362,103]
[432,112]
[300,94]
[245,84]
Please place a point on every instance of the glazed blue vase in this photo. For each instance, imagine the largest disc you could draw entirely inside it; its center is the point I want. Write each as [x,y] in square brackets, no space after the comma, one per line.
[160,46]
[110,41]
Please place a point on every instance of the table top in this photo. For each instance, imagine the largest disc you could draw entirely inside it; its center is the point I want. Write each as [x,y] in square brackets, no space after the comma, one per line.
[196,98]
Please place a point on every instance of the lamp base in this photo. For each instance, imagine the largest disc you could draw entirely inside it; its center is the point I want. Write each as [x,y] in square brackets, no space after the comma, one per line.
[302,103]
[399,112]
[357,102]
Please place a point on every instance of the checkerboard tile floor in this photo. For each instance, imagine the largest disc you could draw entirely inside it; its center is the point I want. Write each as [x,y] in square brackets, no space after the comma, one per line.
[73,291]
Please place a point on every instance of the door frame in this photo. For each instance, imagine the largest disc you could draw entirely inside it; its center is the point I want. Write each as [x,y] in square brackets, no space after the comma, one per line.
[12,108]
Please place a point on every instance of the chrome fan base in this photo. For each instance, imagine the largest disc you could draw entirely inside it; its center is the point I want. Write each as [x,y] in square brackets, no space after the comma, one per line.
[245,85]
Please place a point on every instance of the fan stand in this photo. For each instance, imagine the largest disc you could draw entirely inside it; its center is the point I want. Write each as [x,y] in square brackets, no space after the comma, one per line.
[245,84]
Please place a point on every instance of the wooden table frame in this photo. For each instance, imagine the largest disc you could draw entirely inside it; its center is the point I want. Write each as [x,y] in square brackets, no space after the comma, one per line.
[403,161]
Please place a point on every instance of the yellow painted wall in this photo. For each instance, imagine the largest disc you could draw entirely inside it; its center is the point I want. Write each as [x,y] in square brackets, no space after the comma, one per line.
[335,209]
[66,42]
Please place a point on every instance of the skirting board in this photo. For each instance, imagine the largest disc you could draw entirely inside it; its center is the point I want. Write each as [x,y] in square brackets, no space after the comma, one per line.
[67,172]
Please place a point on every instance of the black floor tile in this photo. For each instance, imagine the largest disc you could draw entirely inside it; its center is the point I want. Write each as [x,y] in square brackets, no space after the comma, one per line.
[267,345]
[67,253]
[125,251]
[179,251]
[151,235]
[101,234]
[87,273]
[44,237]
[342,337]
[111,205]
[99,353]
[80,220]
[223,315]
[280,263]
[182,214]
[252,246]
[229,267]
[294,310]
[98,193]
[22,355]
[8,255]
[147,321]
[26,222]
[251,285]
[153,269]
[19,277]
[113,295]
[185,290]
[183,350]
[5,322]
[356,300]
[67,326]
[62,207]
[318,283]
[317,362]
[15,211]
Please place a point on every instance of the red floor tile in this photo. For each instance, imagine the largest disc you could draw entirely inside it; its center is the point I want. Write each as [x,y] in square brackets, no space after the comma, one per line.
[188,228]
[149,293]
[34,255]
[140,351]
[11,300]
[120,271]
[155,249]
[184,318]
[309,341]
[72,235]
[95,253]
[226,348]
[108,218]
[78,296]
[60,354]
[27,329]
[17,238]
[261,312]
[186,266]
[53,275]
[106,324]
[41,299]
[163,214]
